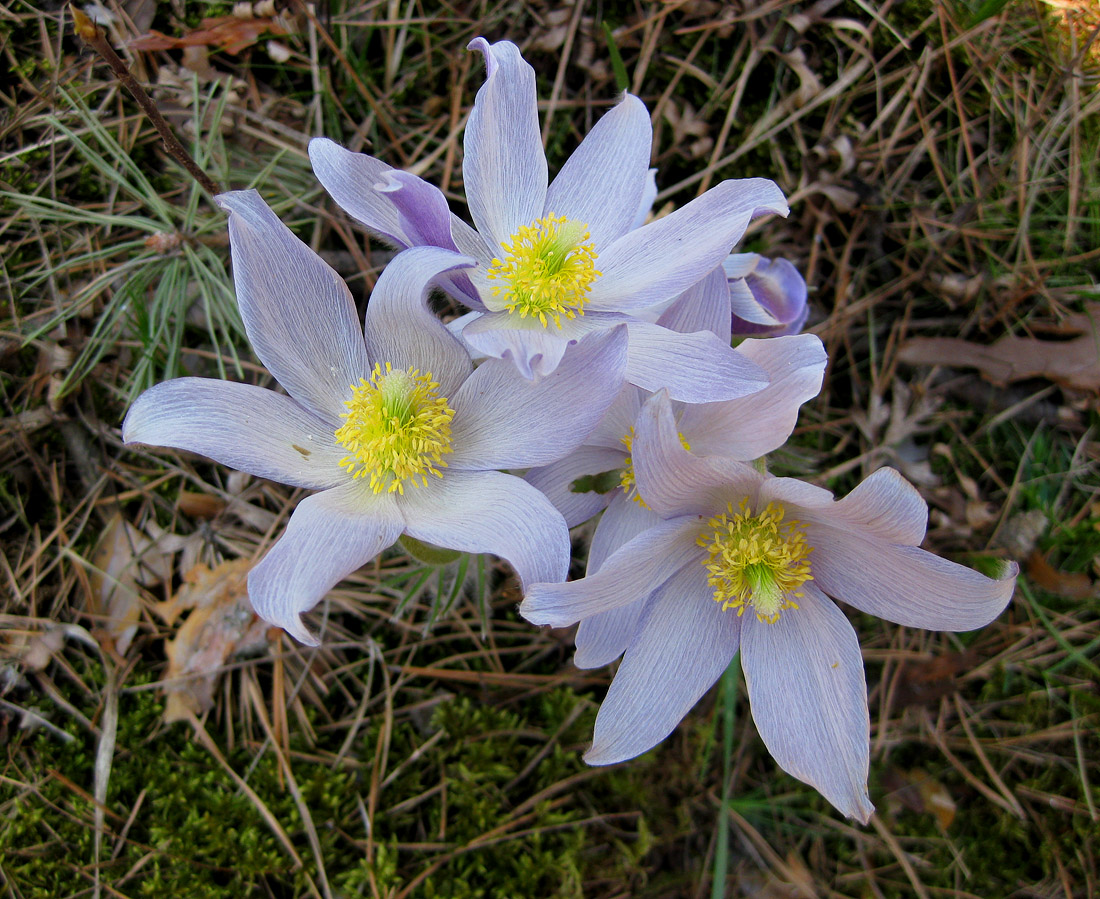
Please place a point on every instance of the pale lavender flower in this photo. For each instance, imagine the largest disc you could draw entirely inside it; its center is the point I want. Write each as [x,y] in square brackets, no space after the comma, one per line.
[561,259]
[767,296]
[733,540]
[390,421]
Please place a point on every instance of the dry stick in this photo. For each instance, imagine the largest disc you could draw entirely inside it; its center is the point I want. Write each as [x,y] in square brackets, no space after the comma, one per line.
[90,33]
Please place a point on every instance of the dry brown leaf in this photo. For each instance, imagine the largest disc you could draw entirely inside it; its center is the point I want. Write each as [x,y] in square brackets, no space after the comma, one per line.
[929,679]
[221,624]
[1063,583]
[1071,363]
[919,791]
[229,33]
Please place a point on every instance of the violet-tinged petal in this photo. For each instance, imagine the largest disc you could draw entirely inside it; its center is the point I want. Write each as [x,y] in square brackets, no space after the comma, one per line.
[664,258]
[604,637]
[503,420]
[778,289]
[673,481]
[491,512]
[603,183]
[684,643]
[401,330]
[329,536]
[753,426]
[556,481]
[504,167]
[695,368]
[885,505]
[632,573]
[804,675]
[622,521]
[297,312]
[535,351]
[244,427]
[705,306]
[351,179]
[904,584]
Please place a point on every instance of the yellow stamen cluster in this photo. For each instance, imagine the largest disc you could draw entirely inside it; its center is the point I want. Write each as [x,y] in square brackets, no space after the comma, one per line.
[626,476]
[756,560]
[547,270]
[397,429]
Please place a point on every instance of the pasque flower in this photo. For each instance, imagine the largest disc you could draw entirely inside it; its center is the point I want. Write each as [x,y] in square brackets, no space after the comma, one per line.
[745,561]
[767,296]
[391,422]
[562,259]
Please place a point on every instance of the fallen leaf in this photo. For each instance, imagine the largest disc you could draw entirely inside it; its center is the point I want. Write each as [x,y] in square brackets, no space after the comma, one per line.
[926,680]
[1071,585]
[220,625]
[229,33]
[919,791]
[1071,363]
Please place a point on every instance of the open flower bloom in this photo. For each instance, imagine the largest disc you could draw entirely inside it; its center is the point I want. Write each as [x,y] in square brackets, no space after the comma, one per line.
[745,561]
[390,422]
[599,472]
[767,296]
[557,261]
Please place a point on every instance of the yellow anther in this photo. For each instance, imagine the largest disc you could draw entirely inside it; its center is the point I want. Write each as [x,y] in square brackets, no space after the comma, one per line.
[397,429]
[547,270]
[756,560]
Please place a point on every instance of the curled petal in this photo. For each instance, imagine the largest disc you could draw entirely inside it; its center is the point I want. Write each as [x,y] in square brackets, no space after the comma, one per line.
[656,262]
[604,182]
[534,351]
[401,330]
[503,420]
[904,584]
[351,179]
[885,505]
[491,512]
[504,166]
[630,574]
[329,536]
[773,302]
[297,311]
[695,368]
[244,427]
[683,644]
[804,675]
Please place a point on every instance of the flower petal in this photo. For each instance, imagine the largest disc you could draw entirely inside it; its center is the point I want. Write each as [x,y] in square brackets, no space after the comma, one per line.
[664,258]
[604,182]
[330,535]
[533,350]
[244,427]
[809,698]
[649,196]
[904,584]
[504,167]
[695,368]
[555,481]
[503,420]
[684,643]
[298,313]
[887,506]
[776,301]
[491,512]
[630,574]
[399,327]
[351,179]
[705,306]
[622,521]
[751,426]
[673,481]
[604,637]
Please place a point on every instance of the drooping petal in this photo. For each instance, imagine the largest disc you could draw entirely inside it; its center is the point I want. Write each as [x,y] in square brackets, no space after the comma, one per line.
[623,520]
[503,420]
[556,482]
[533,350]
[604,182]
[673,481]
[885,505]
[298,313]
[630,574]
[664,258]
[504,167]
[695,368]
[329,536]
[401,330]
[752,426]
[351,180]
[491,512]
[604,637]
[684,643]
[808,696]
[904,584]
[705,306]
[244,427]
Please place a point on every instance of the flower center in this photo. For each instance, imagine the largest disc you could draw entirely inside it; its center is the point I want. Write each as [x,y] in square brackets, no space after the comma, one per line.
[397,429]
[547,270]
[626,475]
[756,560]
